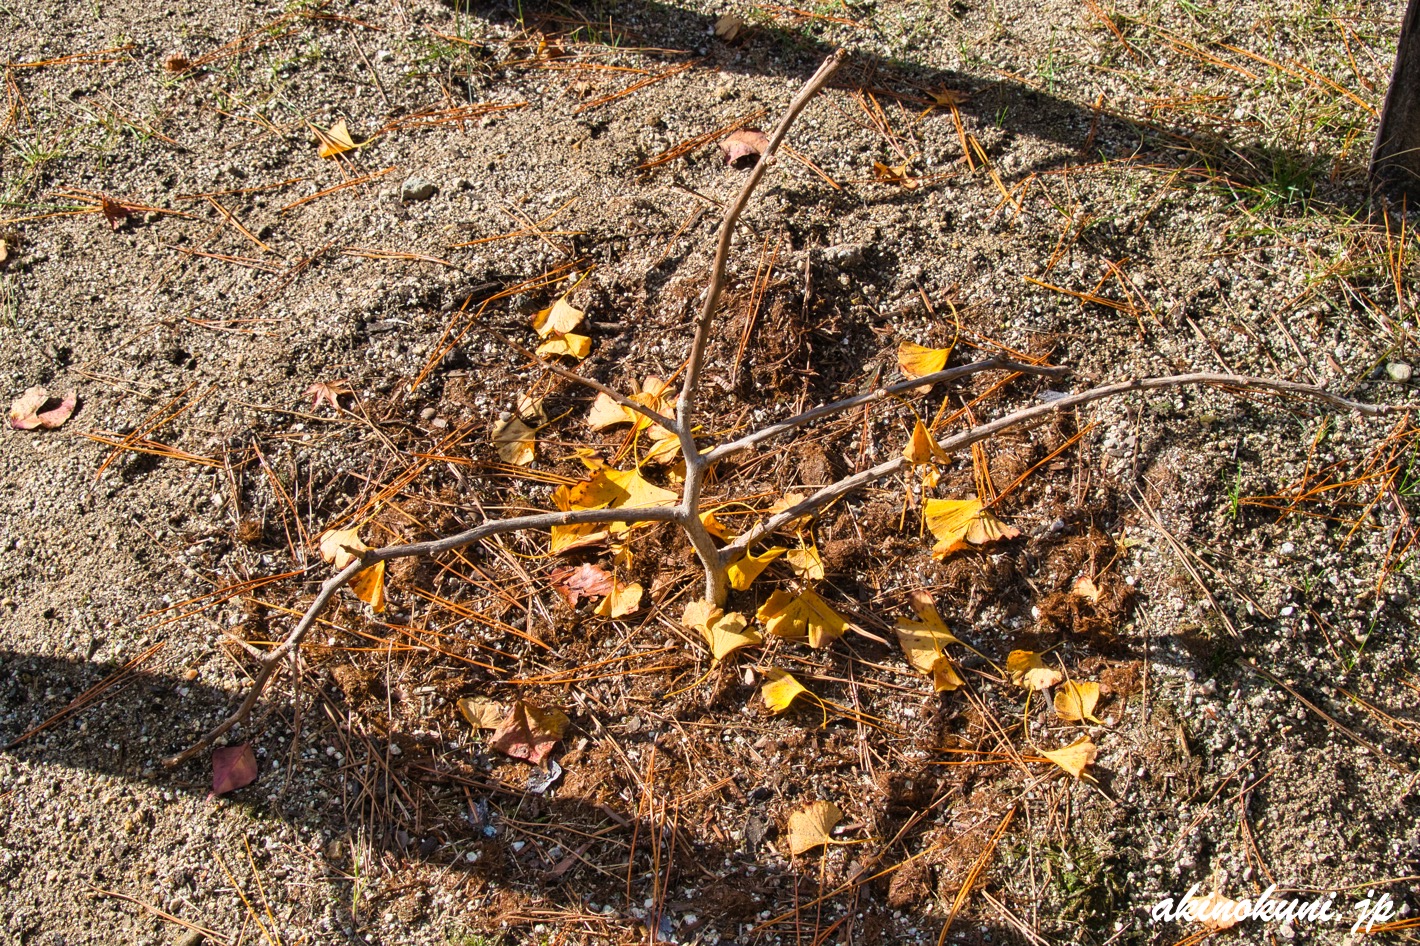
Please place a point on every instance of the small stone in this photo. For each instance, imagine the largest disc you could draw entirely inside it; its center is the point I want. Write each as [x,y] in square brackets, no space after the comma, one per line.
[440,423]
[416,188]
[428,414]
[190,938]
[1398,371]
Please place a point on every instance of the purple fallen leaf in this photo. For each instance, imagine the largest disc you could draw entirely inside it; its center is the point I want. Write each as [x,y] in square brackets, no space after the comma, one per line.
[743,148]
[26,413]
[233,767]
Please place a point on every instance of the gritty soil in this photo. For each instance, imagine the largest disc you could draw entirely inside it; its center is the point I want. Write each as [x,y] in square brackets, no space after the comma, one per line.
[1124,190]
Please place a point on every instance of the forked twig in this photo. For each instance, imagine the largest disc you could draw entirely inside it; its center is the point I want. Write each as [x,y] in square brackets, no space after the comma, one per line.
[686,513]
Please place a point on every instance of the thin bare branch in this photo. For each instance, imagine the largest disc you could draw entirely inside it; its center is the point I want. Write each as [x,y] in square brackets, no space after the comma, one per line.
[847,404]
[964,440]
[727,229]
[433,547]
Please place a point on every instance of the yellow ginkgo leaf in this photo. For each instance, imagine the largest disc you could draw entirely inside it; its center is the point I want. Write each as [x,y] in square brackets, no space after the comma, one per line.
[571,345]
[743,571]
[612,489]
[945,677]
[918,362]
[335,141]
[812,826]
[925,644]
[1074,757]
[956,522]
[665,446]
[715,527]
[922,448]
[780,689]
[1029,671]
[806,616]
[369,586]
[1076,701]
[622,601]
[806,563]
[557,319]
[579,536]
[341,546]
[699,613]
[482,714]
[607,413]
[727,633]
[517,444]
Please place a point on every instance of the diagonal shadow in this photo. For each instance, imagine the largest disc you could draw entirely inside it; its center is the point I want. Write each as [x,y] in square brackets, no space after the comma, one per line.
[774,50]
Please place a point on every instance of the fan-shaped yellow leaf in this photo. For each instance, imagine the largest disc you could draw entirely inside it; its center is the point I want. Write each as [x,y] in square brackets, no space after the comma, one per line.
[517,444]
[341,546]
[955,522]
[780,689]
[482,714]
[1029,671]
[369,586]
[727,633]
[579,536]
[557,319]
[807,616]
[925,643]
[945,677]
[622,601]
[607,413]
[918,362]
[922,448]
[699,613]
[715,527]
[572,345]
[1074,757]
[1076,701]
[745,570]
[812,826]
[806,562]
[335,141]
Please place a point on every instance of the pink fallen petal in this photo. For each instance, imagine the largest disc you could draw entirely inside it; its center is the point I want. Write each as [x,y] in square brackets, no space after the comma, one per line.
[233,767]
[56,416]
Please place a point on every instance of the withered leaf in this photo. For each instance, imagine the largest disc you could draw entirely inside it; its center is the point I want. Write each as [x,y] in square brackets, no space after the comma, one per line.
[340,547]
[176,63]
[517,443]
[328,392]
[114,212]
[743,571]
[335,141]
[369,586]
[529,731]
[233,767]
[895,174]
[28,410]
[729,26]
[586,580]
[743,148]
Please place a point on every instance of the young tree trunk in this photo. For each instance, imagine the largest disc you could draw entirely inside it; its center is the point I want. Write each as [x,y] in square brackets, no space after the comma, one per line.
[1395,160]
